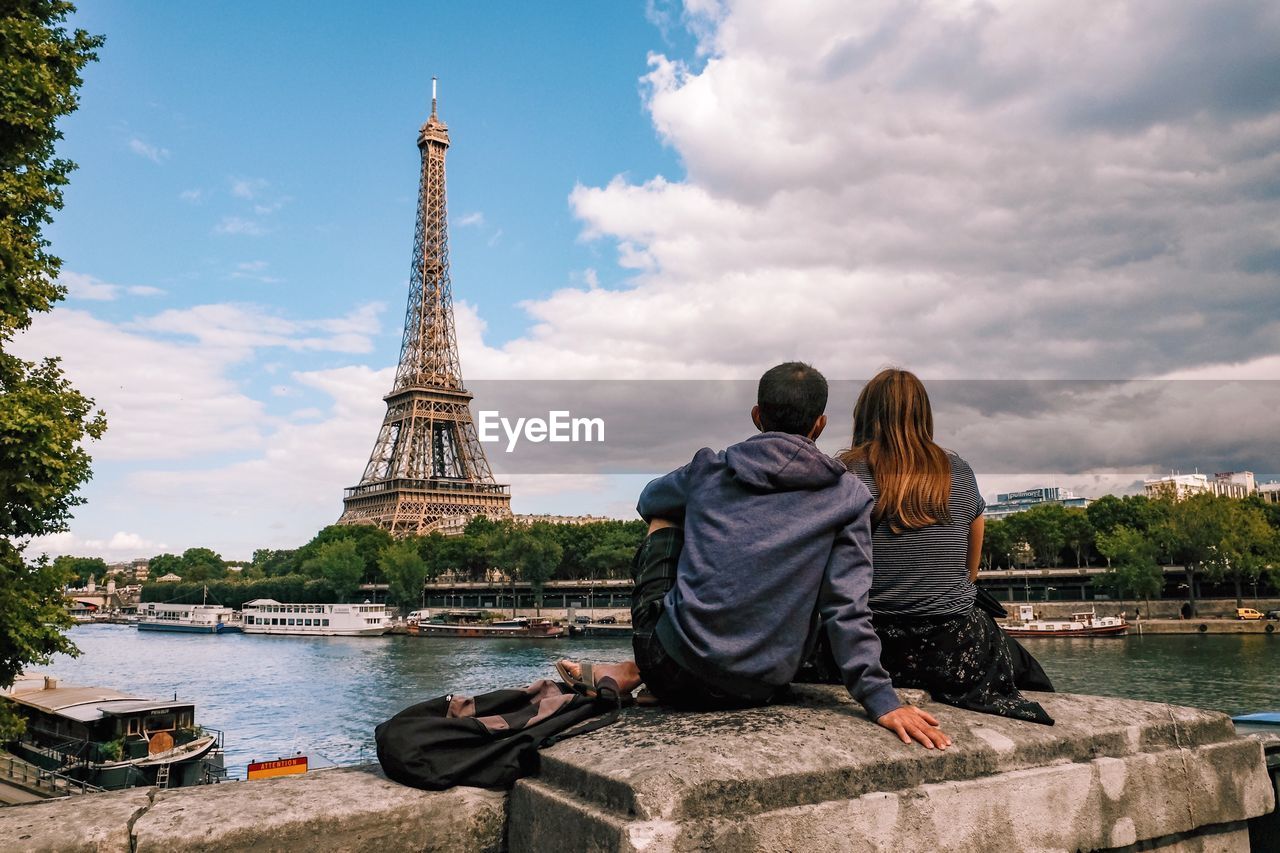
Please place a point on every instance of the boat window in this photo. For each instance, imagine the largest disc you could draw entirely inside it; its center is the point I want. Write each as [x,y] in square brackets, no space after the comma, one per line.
[290,621]
[325,621]
[248,620]
[132,727]
[159,723]
[275,621]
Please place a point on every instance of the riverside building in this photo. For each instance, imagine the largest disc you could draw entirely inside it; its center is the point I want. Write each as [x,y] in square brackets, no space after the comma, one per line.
[1011,503]
[1230,484]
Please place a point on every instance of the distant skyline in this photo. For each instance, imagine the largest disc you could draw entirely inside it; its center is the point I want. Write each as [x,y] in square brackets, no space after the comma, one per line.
[972,191]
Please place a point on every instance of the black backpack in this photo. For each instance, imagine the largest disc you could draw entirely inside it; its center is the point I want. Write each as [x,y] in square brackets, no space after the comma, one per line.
[490,740]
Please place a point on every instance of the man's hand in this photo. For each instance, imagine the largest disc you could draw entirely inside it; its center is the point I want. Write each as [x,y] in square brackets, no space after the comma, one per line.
[910,723]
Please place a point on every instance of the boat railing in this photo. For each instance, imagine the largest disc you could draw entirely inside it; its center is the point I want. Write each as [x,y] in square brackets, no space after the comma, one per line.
[25,774]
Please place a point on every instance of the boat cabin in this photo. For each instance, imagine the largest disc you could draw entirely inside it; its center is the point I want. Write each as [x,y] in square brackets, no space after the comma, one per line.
[97,723]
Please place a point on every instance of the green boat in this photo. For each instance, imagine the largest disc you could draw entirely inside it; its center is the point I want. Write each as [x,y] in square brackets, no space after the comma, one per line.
[113,740]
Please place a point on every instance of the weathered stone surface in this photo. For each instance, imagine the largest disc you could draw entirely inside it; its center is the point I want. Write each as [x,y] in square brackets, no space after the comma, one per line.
[95,823]
[351,809]
[816,774]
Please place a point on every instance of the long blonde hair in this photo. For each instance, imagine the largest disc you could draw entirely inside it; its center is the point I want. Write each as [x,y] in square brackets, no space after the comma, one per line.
[893,434]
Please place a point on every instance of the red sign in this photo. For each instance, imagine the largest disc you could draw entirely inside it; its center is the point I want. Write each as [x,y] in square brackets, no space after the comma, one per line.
[281,767]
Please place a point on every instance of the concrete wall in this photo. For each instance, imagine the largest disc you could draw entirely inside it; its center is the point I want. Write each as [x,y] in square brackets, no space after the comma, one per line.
[808,774]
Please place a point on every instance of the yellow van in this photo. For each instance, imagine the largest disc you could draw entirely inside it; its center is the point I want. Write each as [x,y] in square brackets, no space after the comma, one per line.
[1247,613]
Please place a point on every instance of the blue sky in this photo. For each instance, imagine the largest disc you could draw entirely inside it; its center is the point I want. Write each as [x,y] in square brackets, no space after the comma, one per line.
[996,190]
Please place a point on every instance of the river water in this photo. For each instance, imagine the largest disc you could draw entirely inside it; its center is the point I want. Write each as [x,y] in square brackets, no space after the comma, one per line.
[275,696]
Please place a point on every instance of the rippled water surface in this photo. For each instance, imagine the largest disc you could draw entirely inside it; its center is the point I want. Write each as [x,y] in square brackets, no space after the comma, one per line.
[274,696]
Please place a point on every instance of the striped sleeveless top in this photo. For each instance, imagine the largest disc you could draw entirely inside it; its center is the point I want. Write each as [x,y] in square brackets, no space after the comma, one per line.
[925,572]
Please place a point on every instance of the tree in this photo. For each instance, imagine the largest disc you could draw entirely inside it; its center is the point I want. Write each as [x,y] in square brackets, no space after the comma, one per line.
[1078,533]
[370,541]
[1133,565]
[44,421]
[164,564]
[274,563]
[339,562]
[1041,527]
[529,553]
[1197,526]
[405,570]
[997,544]
[78,569]
[1247,548]
[202,564]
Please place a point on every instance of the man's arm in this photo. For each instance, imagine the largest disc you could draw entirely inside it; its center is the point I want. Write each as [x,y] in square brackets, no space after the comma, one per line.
[667,496]
[846,617]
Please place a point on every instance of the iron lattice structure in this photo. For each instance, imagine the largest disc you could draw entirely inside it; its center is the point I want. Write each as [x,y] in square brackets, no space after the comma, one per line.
[427,469]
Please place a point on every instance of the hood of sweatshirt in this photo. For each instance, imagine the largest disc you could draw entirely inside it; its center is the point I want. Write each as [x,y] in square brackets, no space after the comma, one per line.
[781,462]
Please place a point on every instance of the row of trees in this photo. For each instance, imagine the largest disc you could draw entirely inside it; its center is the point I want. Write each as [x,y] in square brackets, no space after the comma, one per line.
[1220,538]
[333,565]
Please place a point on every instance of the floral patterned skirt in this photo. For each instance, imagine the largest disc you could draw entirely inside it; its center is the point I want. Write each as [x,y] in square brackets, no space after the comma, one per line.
[962,660]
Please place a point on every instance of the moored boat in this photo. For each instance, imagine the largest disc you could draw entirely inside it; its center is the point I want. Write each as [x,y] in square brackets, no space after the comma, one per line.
[1088,624]
[111,739]
[465,624]
[188,618]
[268,616]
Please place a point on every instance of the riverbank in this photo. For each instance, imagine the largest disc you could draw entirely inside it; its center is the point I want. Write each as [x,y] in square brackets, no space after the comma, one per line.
[808,774]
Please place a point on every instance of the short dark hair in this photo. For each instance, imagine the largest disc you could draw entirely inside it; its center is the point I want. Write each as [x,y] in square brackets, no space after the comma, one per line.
[792,396]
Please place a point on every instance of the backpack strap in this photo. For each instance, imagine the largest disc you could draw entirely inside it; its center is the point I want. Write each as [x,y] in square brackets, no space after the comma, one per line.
[606,692]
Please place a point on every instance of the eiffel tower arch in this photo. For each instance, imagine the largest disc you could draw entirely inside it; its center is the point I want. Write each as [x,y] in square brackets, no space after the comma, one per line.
[428,468]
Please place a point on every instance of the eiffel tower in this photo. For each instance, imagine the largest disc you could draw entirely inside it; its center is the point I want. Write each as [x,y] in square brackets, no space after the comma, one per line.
[427,470]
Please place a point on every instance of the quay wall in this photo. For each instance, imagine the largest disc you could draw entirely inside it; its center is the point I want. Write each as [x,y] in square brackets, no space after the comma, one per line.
[811,773]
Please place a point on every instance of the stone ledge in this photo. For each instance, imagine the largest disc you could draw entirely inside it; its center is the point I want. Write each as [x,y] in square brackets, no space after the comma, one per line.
[816,774]
[349,809]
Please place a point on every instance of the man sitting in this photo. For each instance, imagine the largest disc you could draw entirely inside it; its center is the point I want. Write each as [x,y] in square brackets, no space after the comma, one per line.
[747,549]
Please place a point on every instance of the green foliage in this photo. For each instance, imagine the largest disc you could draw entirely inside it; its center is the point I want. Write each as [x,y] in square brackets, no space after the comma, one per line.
[33,618]
[997,544]
[290,589]
[369,542]
[1043,528]
[274,563]
[1133,567]
[339,562]
[78,569]
[201,564]
[44,421]
[405,570]
[164,564]
[530,553]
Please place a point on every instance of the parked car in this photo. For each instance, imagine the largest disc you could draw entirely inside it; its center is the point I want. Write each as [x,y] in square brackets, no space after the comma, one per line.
[608,620]
[1273,614]
[582,620]
[1248,613]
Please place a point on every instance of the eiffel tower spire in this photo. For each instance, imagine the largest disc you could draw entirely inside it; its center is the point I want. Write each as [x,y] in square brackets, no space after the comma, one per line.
[427,468]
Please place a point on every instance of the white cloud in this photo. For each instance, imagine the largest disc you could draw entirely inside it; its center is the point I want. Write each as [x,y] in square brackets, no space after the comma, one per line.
[944,186]
[120,546]
[192,196]
[247,188]
[154,153]
[255,270]
[469,220]
[88,288]
[239,225]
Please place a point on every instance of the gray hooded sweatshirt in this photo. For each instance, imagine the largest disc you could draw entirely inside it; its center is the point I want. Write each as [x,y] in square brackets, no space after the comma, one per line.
[775,531]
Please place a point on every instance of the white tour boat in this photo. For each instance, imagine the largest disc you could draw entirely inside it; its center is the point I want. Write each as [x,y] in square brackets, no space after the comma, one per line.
[189,618]
[1079,625]
[267,616]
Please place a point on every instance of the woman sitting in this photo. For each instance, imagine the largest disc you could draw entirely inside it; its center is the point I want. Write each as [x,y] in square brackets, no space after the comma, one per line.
[927,541]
